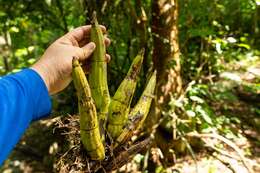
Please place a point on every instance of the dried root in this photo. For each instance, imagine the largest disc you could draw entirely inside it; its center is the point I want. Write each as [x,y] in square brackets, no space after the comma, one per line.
[75,159]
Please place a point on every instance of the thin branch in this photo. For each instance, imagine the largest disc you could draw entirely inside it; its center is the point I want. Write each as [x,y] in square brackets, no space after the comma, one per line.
[226,163]
[189,149]
[226,141]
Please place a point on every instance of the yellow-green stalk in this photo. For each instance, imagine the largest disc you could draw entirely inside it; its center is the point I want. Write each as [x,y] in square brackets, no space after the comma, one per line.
[120,103]
[89,126]
[98,71]
[139,113]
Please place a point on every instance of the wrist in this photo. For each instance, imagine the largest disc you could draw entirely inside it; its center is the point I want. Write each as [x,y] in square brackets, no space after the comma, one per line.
[43,74]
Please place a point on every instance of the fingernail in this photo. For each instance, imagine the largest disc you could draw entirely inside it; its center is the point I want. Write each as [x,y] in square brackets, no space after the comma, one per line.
[91,45]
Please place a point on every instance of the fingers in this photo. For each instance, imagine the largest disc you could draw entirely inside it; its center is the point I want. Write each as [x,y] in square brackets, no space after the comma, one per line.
[79,33]
[103,28]
[82,33]
[87,64]
[85,52]
[85,41]
[107,41]
[108,58]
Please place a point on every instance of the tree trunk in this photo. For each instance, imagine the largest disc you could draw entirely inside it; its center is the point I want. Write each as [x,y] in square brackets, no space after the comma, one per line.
[166,53]
[166,60]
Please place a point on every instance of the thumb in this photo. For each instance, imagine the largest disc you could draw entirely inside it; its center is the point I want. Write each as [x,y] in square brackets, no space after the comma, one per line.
[86,51]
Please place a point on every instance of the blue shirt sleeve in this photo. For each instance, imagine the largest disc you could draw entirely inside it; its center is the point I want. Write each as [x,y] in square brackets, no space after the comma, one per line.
[23,98]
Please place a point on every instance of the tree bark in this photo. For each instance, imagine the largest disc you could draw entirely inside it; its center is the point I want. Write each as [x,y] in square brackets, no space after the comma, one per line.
[166,60]
[166,52]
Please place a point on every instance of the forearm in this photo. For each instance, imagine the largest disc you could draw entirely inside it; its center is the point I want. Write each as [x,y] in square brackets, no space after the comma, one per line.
[23,98]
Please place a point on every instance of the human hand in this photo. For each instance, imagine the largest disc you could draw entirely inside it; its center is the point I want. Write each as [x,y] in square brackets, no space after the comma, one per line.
[55,65]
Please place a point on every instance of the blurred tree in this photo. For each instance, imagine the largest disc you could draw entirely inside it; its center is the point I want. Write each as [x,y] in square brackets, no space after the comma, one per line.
[166,52]
[166,60]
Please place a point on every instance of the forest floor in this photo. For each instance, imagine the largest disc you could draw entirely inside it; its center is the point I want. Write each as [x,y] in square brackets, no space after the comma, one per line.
[245,106]
[38,147]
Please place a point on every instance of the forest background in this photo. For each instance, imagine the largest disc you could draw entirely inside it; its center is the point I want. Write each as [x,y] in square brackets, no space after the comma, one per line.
[206,109]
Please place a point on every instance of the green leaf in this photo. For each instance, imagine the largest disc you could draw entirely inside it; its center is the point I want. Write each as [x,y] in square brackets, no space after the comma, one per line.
[204,114]
[257,111]
[21,52]
[138,158]
[191,113]
[196,99]
[159,169]
[244,45]
[31,61]
[14,29]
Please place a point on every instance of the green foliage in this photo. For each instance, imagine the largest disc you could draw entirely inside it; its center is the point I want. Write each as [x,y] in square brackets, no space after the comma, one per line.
[252,88]
[212,32]
[209,35]
[199,114]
